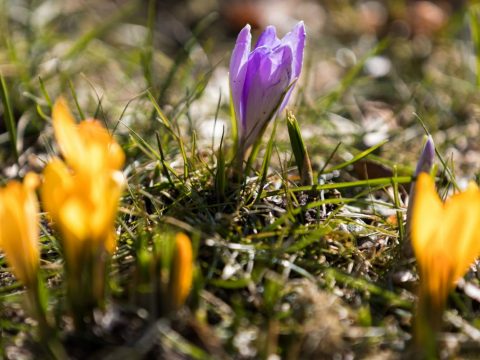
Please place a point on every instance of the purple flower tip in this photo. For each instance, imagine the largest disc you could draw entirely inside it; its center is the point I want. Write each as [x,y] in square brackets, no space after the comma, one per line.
[425,162]
[259,78]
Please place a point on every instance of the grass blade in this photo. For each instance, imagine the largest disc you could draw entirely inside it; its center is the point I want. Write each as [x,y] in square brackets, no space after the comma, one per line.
[266,161]
[220,175]
[299,148]
[357,157]
[8,116]
[75,99]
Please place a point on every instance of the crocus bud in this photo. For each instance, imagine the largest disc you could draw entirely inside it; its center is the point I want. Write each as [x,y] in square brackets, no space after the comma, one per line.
[182,271]
[19,232]
[445,239]
[425,162]
[261,80]
[424,165]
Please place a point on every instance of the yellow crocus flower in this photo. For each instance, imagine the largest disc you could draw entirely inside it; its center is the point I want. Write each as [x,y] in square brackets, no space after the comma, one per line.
[19,231]
[82,194]
[445,236]
[182,270]
[446,241]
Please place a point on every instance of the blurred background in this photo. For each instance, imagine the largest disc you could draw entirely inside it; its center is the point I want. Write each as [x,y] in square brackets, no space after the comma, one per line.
[372,68]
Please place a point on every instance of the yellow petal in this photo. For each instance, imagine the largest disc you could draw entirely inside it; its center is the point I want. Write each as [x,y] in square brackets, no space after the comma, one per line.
[31,181]
[31,210]
[460,230]
[19,233]
[105,150]
[111,242]
[57,187]
[74,225]
[87,147]
[107,209]
[427,214]
[66,132]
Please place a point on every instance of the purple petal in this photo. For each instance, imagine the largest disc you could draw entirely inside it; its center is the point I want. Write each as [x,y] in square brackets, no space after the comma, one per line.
[267,79]
[268,38]
[238,68]
[255,61]
[296,40]
[425,162]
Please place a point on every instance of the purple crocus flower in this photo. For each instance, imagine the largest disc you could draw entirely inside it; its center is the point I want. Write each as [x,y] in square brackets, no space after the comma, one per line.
[259,78]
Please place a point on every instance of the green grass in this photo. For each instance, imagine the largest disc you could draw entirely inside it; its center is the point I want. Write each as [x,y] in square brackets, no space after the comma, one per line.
[301,271]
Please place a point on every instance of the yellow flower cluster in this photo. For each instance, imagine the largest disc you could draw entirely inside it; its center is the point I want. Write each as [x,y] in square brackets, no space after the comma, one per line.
[81,194]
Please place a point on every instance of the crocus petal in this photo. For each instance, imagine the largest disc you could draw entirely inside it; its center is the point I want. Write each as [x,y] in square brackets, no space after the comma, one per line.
[460,230]
[75,217]
[238,69]
[427,214]
[20,232]
[87,147]
[268,38]
[252,68]
[455,244]
[106,205]
[57,186]
[65,132]
[105,151]
[296,40]
[31,208]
